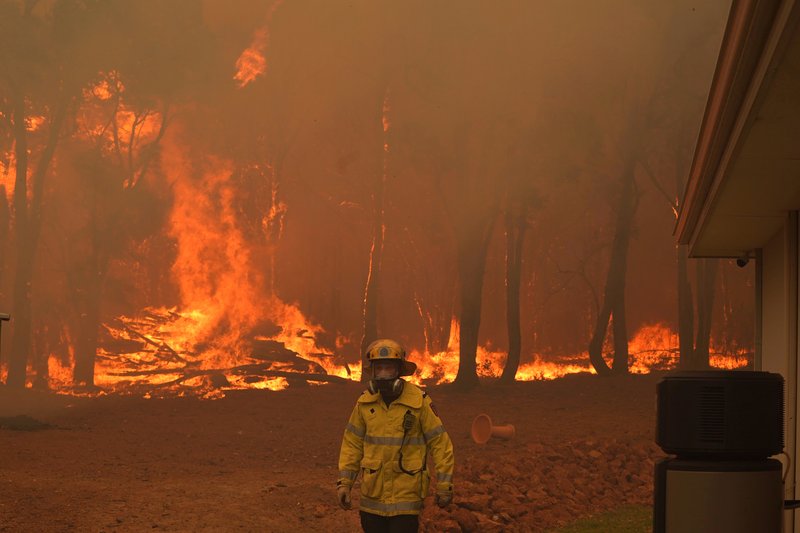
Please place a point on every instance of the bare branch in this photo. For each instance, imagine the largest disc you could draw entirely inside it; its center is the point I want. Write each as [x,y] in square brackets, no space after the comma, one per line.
[150,149]
[580,273]
[673,204]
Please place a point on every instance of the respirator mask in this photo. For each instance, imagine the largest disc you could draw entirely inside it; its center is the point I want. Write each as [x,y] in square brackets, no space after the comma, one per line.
[386,378]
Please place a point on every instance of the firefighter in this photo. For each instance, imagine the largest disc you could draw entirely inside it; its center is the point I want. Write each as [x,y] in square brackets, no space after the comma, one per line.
[387,439]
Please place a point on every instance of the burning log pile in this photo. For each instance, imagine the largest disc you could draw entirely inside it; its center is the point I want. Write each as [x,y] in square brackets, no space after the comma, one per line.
[543,487]
[145,355]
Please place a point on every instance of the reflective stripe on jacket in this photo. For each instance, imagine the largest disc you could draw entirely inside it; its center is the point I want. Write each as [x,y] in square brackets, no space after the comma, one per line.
[371,447]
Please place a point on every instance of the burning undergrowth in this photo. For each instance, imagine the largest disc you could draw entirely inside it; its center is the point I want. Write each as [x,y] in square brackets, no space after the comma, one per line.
[154,355]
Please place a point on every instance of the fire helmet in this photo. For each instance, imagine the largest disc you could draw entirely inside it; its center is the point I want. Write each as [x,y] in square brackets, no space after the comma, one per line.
[388,350]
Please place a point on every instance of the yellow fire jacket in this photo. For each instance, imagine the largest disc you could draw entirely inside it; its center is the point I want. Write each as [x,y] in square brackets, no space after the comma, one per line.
[372,445]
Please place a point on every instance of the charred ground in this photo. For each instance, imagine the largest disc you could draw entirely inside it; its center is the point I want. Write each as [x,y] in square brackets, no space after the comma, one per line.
[266,461]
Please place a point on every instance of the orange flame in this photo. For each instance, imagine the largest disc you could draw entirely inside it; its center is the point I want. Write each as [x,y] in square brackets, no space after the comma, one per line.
[219,287]
[653,347]
[8,169]
[116,126]
[252,62]
[34,123]
[385,113]
[172,338]
[207,344]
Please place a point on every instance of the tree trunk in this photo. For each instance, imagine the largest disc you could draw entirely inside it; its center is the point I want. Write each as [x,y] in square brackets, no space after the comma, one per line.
[614,297]
[598,338]
[20,340]
[727,309]
[41,336]
[436,324]
[28,224]
[516,226]
[5,221]
[372,289]
[442,328]
[89,321]
[472,249]
[86,342]
[18,358]
[685,311]
[706,281]
[620,329]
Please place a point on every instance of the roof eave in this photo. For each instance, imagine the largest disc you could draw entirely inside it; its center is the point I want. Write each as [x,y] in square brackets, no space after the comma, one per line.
[749,25]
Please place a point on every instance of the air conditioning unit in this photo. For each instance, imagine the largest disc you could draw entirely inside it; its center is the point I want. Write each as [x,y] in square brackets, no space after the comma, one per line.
[720,414]
[722,427]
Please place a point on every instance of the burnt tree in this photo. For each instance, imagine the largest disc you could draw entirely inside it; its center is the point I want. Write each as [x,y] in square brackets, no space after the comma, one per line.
[472,246]
[516,225]
[114,199]
[372,289]
[706,277]
[27,229]
[674,106]
[48,61]
[5,221]
[613,308]
[119,206]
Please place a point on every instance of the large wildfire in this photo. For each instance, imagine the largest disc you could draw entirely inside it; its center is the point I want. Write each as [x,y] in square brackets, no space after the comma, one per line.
[231,331]
[288,136]
[210,208]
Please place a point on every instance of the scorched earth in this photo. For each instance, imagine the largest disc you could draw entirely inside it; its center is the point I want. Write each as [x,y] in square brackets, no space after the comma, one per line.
[258,460]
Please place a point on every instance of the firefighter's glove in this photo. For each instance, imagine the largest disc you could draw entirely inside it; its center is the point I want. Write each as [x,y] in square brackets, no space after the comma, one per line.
[443,499]
[343,495]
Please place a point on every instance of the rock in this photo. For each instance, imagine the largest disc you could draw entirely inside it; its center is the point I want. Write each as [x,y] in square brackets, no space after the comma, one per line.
[509,471]
[467,486]
[520,510]
[561,514]
[535,494]
[487,525]
[536,448]
[499,505]
[543,504]
[545,516]
[474,502]
[448,526]
[465,519]
[565,485]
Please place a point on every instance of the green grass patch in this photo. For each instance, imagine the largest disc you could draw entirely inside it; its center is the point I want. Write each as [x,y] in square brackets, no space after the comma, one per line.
[628,519]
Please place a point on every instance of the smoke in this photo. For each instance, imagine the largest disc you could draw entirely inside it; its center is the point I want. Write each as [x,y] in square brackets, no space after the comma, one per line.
[252,200]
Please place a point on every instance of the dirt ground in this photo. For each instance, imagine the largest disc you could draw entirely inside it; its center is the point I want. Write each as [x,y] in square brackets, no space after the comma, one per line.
[266,461]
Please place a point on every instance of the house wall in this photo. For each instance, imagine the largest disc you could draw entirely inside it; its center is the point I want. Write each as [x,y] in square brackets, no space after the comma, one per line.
[779,327]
